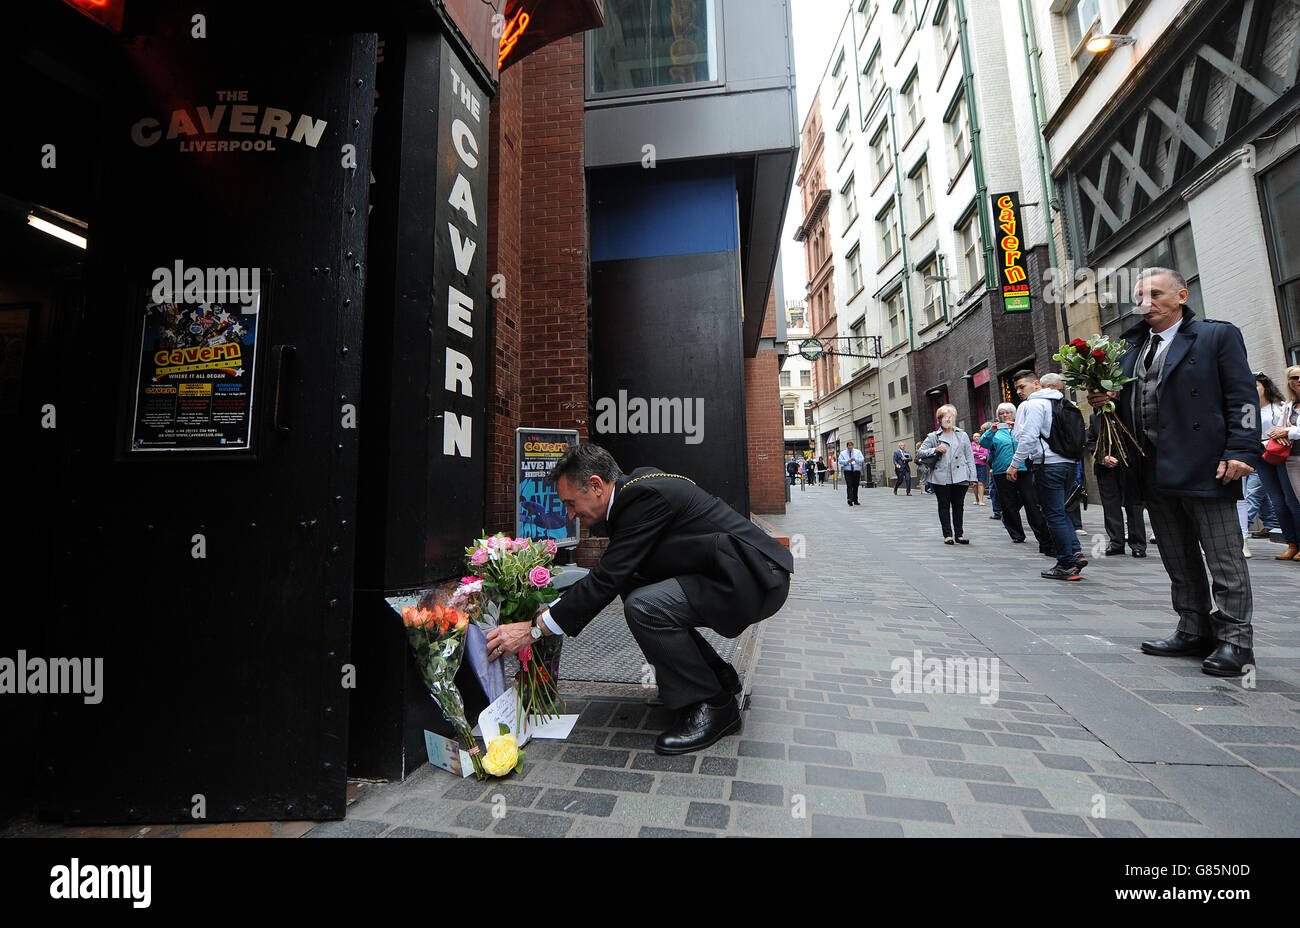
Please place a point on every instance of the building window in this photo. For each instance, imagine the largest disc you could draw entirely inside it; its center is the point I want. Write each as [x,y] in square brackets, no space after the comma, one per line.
[889,389]
[842,134]
[1178,251]
[1080,21]
[921,193]
[911,105]
[881,152]
[807,416]
[893,424]
[785,378]
[839,74]
[894,313]
[906,14]
[805,378]
[854,259]
[646,46]
[1281,188]
[972,251]
[789,415]
[932,310]
[875,73]
[947,29]
[858,332]
[850,202]
[958,134]
[902,385]
[866,12]
[887,226]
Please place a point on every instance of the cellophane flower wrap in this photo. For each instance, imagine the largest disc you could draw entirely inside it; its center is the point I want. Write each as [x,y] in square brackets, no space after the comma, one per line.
[436,634]
[511,578]
[1097,366]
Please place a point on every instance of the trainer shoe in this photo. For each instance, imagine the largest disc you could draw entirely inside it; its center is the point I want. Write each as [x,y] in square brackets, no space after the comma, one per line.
[1062,573]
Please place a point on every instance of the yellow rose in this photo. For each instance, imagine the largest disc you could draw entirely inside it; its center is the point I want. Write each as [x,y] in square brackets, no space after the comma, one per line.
[502,755]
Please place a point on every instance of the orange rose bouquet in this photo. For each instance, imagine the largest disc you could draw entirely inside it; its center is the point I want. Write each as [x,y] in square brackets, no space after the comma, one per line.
[436,635]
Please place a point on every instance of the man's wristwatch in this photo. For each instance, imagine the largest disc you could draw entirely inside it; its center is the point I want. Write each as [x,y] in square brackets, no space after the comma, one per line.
[537,629]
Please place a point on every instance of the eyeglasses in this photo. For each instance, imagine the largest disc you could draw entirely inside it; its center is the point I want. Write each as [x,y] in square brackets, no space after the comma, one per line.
[1294,377]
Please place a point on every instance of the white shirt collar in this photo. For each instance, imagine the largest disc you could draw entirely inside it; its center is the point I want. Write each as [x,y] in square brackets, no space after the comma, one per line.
[1168,334]
[609,508]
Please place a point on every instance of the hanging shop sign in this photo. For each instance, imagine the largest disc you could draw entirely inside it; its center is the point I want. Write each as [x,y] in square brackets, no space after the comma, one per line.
[539,513]
[1013,273]
[196,372]
[527,25]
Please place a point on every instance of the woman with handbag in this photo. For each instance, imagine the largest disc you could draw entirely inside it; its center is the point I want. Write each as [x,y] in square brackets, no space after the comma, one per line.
[952,469]
[1279,466]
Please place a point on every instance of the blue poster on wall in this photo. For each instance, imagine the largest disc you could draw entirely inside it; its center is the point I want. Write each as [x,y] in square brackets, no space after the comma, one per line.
[538,510]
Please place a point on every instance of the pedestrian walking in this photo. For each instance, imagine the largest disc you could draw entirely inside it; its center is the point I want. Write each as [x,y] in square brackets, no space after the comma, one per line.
[1285,432]
[923,471]
[902,468]
[1054,469]
[981,455]
[792,469]
[821,471]
[851,461]
[1001,443]
[1273,477]
[948,451]
[1191,381]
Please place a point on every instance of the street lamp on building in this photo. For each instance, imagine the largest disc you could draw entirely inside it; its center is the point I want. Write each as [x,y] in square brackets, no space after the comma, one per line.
[1106,41]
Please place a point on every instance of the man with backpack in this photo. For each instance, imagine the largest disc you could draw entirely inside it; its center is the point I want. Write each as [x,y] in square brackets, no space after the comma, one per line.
[1050,436]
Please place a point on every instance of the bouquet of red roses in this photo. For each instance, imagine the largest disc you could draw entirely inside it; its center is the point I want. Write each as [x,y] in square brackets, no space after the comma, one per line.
[1096,365]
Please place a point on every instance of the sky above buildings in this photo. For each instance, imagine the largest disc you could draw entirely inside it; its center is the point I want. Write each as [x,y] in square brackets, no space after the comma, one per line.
[816,23]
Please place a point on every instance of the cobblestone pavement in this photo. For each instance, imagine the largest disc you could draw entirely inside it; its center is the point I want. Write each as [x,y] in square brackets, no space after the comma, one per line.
[1087,736]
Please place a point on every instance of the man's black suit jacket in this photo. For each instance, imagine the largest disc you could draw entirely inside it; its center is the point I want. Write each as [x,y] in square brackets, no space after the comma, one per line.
[1208,407]
[665,527]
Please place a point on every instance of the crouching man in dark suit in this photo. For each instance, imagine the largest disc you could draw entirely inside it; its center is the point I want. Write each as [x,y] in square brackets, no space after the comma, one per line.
[681,559]
[1193,408]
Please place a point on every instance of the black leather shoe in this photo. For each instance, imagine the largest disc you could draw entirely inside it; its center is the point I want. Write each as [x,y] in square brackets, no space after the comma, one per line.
[1179,643]
[1114,550]
[1140,552]
[698,727]
[1228,660]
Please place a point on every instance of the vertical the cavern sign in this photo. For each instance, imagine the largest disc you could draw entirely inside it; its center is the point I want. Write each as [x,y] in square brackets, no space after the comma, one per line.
[460,256]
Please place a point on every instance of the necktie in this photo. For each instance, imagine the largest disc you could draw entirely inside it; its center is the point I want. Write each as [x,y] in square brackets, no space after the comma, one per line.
[1150,359]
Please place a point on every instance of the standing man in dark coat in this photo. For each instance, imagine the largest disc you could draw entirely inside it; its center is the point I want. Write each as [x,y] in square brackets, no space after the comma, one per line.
[851,461]
[680,558]
[902,468]
[1194,410]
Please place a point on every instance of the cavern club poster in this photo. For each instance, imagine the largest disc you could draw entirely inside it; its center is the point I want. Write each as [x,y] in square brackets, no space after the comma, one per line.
[538,510]
[194,386]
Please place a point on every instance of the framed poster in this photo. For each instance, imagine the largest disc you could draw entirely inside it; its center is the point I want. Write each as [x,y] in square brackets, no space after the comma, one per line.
[538,510]
[195,376]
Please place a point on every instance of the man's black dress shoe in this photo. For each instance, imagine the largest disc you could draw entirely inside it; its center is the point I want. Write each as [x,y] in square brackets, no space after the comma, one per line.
[1180,643]
[1114,550]
[1228,660]
[1140,552]
[700,725]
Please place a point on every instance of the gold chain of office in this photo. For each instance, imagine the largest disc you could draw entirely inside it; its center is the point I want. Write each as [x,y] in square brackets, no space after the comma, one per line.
[646,476]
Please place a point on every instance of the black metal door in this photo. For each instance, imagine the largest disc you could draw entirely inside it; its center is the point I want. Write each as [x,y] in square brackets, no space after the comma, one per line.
[218,588]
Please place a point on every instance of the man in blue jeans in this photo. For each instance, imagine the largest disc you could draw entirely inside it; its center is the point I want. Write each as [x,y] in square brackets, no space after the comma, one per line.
[1053,474]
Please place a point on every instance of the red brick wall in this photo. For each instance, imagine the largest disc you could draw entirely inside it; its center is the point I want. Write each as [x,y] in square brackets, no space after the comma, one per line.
[506,140]
[763,423]
[554,257]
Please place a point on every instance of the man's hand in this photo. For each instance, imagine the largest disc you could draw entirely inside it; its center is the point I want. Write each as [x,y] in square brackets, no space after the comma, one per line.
[1232,470]
[1109,461]
[1012,471]
[510,638]
[1097,400]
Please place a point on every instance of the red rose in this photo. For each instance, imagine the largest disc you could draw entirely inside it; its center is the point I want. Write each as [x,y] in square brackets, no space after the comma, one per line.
[1099,354]
[1078,343]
